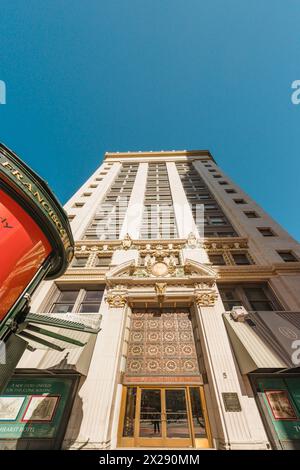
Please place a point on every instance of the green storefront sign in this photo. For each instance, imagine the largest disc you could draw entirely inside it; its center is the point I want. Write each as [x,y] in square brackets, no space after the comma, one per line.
[281,399]
[34,407]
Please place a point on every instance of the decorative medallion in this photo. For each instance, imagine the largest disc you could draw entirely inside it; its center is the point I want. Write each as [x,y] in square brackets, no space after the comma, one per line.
[192,241]
[126,242]
[159,269]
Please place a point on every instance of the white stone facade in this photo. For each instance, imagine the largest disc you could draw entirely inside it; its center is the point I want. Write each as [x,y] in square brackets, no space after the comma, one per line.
[94,420]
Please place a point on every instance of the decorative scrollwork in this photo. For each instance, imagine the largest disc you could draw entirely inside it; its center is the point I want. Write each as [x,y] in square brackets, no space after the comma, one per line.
[206,299]
[116,300]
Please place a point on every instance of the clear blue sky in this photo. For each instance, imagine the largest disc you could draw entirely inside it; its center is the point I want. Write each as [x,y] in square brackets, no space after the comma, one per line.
[88,76]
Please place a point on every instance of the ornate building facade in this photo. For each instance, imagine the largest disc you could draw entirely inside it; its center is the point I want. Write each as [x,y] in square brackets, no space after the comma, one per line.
[197,289]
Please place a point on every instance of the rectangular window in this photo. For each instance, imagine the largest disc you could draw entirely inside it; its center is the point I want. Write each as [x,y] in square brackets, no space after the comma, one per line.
[79,261]
[240,258]
[266,231]
[240,201]
[91,301]
[257,299]
[251,215]
[80,300]
[287,256]
[65,302]
[230,298]
[217,260]
[217,221]
[253,297]
[102,261]
[223,183]
[230,191]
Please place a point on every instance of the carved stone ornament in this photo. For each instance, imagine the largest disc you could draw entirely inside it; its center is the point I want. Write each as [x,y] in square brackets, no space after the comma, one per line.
[116,300]
[159,269]
[160,289]
[126,242]
[192,241]
[206,299]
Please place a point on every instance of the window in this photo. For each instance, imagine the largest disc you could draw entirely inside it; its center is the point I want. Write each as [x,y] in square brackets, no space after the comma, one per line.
[258,299]
[223,183]
[230,191]
[79,261]
[197,192]
[217,176]
[226,234]
[217,221]
[212,171]
[91,301]
[78,204]
[230,298]
[80,300]
[251,215]
[71,217]
[217,260]
[252,297]
[102,261]
[287,256]
[65,302]
[240,258]
[266,231]
[240,201]
[210,207]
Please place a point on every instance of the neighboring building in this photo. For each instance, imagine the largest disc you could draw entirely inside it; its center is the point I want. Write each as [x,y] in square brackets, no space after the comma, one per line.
[169,367]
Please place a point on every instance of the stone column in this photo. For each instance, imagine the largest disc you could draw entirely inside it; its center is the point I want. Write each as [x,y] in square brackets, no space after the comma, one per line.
[134,214]
[184,217]
[234,430]
[133,217]
[91,420]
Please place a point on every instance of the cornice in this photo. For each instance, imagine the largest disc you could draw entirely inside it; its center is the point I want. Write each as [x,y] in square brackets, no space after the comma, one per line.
[175,243]
[256,272]
[162,153]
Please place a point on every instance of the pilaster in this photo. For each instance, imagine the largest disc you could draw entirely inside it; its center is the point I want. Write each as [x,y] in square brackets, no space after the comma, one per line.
[133,217]
[92,416]
[234,429]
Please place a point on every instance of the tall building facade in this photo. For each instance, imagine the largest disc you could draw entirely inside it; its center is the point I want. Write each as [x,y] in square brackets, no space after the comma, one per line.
[197,289]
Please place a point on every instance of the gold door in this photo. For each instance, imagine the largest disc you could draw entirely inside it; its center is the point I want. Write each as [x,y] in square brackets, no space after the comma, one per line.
[164,417]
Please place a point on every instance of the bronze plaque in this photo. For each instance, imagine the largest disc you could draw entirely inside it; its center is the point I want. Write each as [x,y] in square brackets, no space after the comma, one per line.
[231,401]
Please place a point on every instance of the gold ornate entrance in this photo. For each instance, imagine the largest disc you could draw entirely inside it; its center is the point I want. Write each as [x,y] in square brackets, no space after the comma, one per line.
[164,417]
[163,400]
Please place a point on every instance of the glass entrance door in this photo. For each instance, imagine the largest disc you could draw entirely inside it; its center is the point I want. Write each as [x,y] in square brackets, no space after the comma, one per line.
[164,417]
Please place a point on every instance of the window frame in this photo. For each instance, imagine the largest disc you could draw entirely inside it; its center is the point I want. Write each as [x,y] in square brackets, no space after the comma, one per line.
[81,292]
[242,297]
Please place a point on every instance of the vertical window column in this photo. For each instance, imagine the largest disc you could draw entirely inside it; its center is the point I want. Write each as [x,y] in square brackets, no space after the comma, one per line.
[134,214]
[183,214]
[81,221]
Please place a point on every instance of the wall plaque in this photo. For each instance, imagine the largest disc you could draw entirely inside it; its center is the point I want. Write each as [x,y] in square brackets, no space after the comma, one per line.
[231,402]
